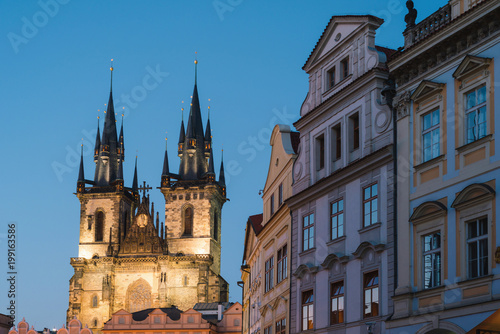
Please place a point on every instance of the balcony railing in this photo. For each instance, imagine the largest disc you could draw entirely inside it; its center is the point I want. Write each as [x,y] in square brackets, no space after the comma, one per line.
[429,25]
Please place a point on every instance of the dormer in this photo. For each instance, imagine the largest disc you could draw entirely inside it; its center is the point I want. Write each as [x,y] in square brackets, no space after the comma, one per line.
[345,51]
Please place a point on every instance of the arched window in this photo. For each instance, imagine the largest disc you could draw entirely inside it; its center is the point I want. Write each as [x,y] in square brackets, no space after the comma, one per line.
[99,226]
[216,226]
[94,322]
[94,301]
[188,221]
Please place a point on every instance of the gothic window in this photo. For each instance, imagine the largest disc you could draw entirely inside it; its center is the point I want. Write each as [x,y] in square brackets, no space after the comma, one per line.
[188,221]
[99,226]
[94,322]
[95,301]
[216,226]
[138,296]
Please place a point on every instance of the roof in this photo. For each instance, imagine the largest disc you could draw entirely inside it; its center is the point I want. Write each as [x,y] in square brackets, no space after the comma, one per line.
[172,312]
[211,306]
[295,138]
[388,52]
[256,222]
[326,28]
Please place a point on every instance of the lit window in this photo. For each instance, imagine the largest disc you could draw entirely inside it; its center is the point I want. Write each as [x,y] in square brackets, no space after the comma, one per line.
[370,287]
[282,264]
[430,135]
[475,114]
[281,326]
[307,310]
[477,247]
[337,303]
[336,142]
[269,274]
[432,260]
[337,219]
[308,232]
[370,205]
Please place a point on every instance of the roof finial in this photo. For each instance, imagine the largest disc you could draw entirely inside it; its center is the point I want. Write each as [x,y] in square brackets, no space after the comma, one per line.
[182,110]
[111,69]
[195,67]
[208,108]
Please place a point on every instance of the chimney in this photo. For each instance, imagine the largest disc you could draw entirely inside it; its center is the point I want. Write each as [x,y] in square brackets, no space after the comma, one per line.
[220,309]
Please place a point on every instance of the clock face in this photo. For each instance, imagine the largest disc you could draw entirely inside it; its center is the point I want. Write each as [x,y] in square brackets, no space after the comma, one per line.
[142,220]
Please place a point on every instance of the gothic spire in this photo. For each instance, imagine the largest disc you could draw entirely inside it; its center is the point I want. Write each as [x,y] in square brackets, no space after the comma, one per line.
[121,143]
[97,142]
[135,187]
[107,162]
[165,162]
[222,178]
[81,174]
[211,169]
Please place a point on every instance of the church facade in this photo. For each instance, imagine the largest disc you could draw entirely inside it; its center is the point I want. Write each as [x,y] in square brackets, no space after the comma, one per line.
[130,260]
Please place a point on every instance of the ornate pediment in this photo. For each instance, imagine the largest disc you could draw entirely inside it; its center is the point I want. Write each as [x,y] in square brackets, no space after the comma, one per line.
[472,194]
[427,88]
[428,210]
[304,269]
[365,246]
[469,65]
[330,259]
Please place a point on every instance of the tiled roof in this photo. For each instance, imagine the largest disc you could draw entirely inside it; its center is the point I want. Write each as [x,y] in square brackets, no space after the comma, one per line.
[256,222]
[211,306]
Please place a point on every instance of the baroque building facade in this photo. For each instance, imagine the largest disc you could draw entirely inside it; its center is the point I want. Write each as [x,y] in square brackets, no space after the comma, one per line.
[127,258]
[342,236]
[448,244]
[265,270]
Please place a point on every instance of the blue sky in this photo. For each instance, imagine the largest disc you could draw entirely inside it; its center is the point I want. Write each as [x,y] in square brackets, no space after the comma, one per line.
[55,76]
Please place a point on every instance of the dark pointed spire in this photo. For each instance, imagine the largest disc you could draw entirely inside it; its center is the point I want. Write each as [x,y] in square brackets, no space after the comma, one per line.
[121,142]
[135,187]
[166,170]
[120,168]
[208,130]
[222,178]
[81,174]
[211,169]
[97,146]
[107,162]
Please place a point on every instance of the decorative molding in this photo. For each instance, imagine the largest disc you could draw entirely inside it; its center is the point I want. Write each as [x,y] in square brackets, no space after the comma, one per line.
[425,89]
[427,211]
[366,245]
[473,194]
[401,104]
[330,259]
[470,64]
[305,268]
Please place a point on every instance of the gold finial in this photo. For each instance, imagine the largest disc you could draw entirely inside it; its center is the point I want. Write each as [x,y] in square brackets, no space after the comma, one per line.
[195,67]
[82,142]
[111,68]
[196,57]
[98,110]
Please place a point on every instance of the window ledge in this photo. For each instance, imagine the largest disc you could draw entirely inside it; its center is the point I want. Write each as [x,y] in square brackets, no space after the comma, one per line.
[476,280]
[309,251]
[336,85]
[336,240]
[369,228]
[429,162]
[475,143]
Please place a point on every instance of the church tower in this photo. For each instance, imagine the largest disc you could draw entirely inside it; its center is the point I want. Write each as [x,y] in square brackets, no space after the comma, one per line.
[129,260]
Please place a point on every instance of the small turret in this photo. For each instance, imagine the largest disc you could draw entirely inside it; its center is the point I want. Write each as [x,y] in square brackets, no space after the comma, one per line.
[80,184]
[165,174]
[97,142]
[222,178]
